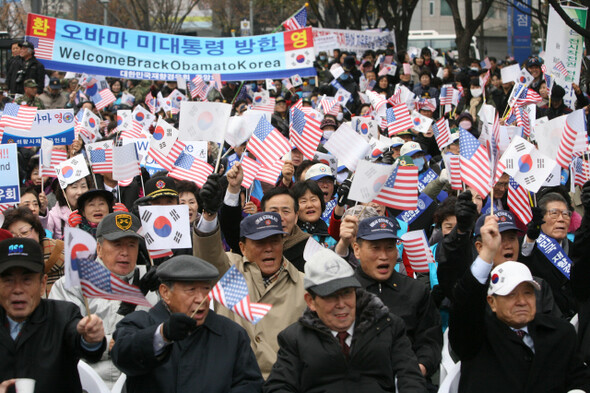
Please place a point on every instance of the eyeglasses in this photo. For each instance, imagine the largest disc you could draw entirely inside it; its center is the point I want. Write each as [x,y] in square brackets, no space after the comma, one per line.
[502,185]
[23,232]
[555,213]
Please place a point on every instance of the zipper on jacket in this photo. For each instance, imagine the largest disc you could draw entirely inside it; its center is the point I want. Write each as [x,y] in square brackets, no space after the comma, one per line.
[380,288]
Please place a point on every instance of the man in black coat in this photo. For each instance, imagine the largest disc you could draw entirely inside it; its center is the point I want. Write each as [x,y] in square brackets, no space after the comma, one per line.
[31,68]
[13,64]
[41,339]
[181,345]
[346,340]
[409,299]
[512,349]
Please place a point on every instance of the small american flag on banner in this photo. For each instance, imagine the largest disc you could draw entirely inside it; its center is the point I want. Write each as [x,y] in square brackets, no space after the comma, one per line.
[190,168]
[18,116]
[446,95]
[442,133]
[251,169]
[559,66]
[167,161]
[475,163]
[267,143]
[575,121]
[455,172]
[270,174]
[518,202]
[297,21]
[305,133]
[100,156]
[98,282]
[581,171]
[400,191]
[106,98]
[398,119]
[43,47]
[417,251]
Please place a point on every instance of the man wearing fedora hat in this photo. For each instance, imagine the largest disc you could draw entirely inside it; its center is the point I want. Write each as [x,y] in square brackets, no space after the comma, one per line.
[346,340]
[39,338]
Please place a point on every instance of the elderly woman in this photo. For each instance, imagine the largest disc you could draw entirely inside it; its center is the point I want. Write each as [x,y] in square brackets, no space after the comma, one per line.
[188,193]
[21,222]
[93,206]
[29,197]
[311,206]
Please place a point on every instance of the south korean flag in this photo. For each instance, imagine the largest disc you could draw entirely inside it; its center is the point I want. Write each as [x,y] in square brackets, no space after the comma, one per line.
[165,227]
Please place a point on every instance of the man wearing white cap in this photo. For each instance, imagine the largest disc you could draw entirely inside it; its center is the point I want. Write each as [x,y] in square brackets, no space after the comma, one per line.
[511,349]
[346,340]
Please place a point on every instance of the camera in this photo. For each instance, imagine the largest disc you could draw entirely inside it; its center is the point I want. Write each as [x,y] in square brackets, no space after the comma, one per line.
[20,76]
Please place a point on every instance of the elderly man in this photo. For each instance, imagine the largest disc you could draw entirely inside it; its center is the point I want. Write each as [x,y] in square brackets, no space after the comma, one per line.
[271,278]
[513,348]
[181,345]
[53,97]
[30,97]
[375,248]
[346,339]
[41,339]
[31,68]
[117,249]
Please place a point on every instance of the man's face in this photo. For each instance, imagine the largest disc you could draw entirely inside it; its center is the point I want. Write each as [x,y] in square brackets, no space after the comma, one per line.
[267,253]
[30,91]
[517,308]
[535,71]
[24,52]
[164,201]
[55,92]
[20,292]
[556,223]
[377,257]
[501,186]
[284,205]
[281,106]
[424,80]
[327,186]
[185,297]
[119,256]
[15,49]
[337,311]
[448,224]
[508,250]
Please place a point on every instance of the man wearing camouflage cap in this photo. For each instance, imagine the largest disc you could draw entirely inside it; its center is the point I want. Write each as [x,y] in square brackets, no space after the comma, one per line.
[181,345]
[30,98]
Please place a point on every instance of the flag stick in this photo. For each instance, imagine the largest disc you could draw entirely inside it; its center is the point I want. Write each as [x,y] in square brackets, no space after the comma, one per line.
[227,152]
[218,158]
[88,313]
[119,190]
[151,260]
[492,202]
[237,92]
[197,309]
[141,179]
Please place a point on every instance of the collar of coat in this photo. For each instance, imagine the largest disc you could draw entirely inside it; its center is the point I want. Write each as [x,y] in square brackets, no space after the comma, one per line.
[289,269]
[369,310]
[393,281]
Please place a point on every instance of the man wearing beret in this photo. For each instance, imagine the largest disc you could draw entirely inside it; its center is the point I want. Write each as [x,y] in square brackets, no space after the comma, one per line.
[117,249]
[346,340]
[271,278]
[39,338]
[181,345]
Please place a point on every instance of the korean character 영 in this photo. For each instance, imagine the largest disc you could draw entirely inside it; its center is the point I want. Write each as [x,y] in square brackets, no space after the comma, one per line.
[73,32]
[169,44]
[267,44]
[94,34]
[214,48]
[59,117]
[191,46]
[117,38]
[245,47]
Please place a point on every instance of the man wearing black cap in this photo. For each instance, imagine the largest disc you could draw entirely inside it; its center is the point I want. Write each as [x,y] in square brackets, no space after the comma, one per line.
[53,97]
[31,69]
[161,191]
[117,249]
[181,345]
[41,339]
[346,340]
[557,107]
[271,278]
[375,248]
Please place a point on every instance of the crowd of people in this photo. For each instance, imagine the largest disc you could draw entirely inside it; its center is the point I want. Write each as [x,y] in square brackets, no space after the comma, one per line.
[354,316]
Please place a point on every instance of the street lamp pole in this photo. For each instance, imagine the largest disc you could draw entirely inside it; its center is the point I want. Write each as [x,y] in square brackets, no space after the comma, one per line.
[105,4]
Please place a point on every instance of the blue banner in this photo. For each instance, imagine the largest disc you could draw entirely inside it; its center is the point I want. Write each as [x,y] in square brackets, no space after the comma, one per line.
[56,125]
[409,216]
[519,30]
[66,45]
[425,178]
[554,253]
[9,181]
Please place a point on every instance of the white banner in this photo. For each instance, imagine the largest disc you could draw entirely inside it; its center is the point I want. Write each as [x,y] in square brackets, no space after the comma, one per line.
[350,40]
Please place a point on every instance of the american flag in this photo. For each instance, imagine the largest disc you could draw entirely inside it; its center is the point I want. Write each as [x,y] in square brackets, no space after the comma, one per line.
[400,191]
[484,80]
[417,251]
[442,133]
[100,155]
[544,69]
[485,63]
[528,96]
[167,161]
[559,66]
[251,169]
[98,282]
[125,162]
[475,163]
[252,312]
[574,121]
[329,106]
[581,171]
[377,100]
[5,206]
[425,103]
[396,98]
[267,105]
[267,143]
[135,132]
[57,157]
[216,81]
[446,95]
[297,21]
[198,87]
[518,202]
[190,168]
[398,119]
[523,120]
[106,98]
[164,253]
[270,174]
[43,47]
[152,103]
[455,172]
[18,116]
[305,133]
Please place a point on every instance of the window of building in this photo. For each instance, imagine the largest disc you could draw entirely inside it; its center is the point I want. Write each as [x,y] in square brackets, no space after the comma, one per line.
[445,9]
[431,8]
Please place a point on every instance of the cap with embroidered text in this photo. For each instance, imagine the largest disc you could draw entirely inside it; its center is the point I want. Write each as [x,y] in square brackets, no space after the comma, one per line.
[261,225]
[377,228]
[21,252]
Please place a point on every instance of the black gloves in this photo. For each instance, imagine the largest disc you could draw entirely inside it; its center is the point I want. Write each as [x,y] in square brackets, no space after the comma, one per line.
[211,194]
[466,212]
[343,191]
[534,227]
[388,157]
[586,197]
[149,281]
[126,308]
[178,327]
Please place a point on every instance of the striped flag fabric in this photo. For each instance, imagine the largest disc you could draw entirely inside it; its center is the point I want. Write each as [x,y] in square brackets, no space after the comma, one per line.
[425,103]
[581,171]
[528,96]
[250,168]
[43,47]
[100,156]
[270,174]
[98,282]
[485,63]
[523,120]
[18,116]
[106,98]
[398,119]
[518,202]
[572,139]
[377,100]
[267,143]
[297,21]
[446,95]
[442,132]
[483,80]
[329,106]
[167,161]
[152,103]
[57,157]
[417,250]
[396,98]
[252,312]
[559,66]
[134,132]
[125,162]
[455,172]
[400,190]
[475,163]
[164,253]
[188,167]
[198,87]
[305,133]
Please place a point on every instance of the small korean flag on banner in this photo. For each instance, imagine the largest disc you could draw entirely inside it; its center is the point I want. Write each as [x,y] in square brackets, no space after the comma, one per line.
[342,97]
[165,226]
[296,80]
[302,58]
[420,123]
[163,137]
[91,126]
[72,170]
[270,85]
[203,121]
[123,119]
